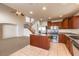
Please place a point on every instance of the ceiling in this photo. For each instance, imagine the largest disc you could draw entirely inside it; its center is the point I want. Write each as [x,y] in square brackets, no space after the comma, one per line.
[53,10]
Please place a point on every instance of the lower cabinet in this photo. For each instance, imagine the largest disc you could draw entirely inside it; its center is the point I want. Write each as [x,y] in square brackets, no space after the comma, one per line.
[67,41]
[40,41]
[61,38]
[69,45]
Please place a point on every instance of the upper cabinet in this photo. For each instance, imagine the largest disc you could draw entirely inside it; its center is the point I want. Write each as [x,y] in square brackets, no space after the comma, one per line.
[68,23]
[55,24]
[71,23]
[74,22]
[65,23]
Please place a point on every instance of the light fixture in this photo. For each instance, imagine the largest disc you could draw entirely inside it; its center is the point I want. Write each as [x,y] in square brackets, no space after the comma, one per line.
[41,19]
[44,8]
[49,17]
[31,12]
[60,16]
[18,12]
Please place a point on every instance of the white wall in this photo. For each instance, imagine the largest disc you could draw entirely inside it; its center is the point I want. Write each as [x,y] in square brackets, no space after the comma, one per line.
[27,32]
[9,31]
[35,26]
[7,17]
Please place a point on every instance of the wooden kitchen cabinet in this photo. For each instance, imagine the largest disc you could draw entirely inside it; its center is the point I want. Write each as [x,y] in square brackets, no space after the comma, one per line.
[74,22]
[49,23]
[40,41]
[55,24]
[67,41]
[61,38]
[32,40]
[70,23]
[65,23]
[1,31]
[69,45]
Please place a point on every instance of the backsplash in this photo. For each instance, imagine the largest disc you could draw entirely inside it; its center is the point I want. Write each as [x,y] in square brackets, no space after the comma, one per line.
[76,31]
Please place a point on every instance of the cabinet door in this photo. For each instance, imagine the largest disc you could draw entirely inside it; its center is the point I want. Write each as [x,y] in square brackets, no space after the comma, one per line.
[69,45]
[45,43]
[70,23]
[61,38]
[75,22]
[1,32]
[33,40]
[40,41]
[65,23]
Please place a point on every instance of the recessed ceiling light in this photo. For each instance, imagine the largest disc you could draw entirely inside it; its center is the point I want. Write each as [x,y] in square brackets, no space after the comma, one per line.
[49,17]
[60,16]
[31,12]
[44,8]
[41,19]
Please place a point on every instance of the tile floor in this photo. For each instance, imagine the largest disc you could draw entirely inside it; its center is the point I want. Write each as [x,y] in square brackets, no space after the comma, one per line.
[58,49]
[11,45]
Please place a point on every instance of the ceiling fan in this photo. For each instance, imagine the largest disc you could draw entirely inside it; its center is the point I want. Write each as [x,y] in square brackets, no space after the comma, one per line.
[18,13]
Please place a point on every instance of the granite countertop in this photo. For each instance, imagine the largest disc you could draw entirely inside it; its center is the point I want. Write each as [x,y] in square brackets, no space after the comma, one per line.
[73,37]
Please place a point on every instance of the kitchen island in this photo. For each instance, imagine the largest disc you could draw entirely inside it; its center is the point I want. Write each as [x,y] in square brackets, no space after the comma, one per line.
[41,41]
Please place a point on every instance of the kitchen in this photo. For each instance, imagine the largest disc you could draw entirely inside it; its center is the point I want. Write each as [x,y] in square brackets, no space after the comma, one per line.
[53,24]
[66,32]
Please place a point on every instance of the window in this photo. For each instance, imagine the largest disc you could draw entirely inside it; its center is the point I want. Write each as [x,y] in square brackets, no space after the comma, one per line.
[32,19]
[42,29]
[28,19]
